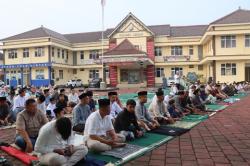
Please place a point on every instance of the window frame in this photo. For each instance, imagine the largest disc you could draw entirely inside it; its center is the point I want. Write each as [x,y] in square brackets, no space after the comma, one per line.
[40,73]
[81,55]
[159,72]
[12,54]
[191,50]
[60,74]
[228,41]
[247,40]
[39,51]
[176,51]
[94,74]
[94,54]
[228,69]
[158,51]
[26,53]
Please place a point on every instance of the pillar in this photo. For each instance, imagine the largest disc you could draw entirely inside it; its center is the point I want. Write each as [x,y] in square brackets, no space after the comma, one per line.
[113,75]
[22,76]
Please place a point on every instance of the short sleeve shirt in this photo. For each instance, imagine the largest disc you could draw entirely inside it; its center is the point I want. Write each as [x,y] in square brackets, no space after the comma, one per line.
[96,125]
[31,124]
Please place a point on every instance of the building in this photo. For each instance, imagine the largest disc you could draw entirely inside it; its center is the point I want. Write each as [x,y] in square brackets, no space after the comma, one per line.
[134,53]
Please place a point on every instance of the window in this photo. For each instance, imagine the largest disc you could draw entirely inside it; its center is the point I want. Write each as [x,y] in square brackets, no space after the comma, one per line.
[39,74]
[81,69]
[12,54]
[107,73]
[25,52]
[58,53]
[39,52]
[74,71]
[94,54]
[53,52]
[228,69]
[247,40]
[67,54]
[159,72]
[175,69]
[93,74]
[191,66]
[62,54]
[191,50]
[60,74]
[176,50]
[228,41]
[200,67]
[81,55]
[137,47]
[158,51]
[52,74]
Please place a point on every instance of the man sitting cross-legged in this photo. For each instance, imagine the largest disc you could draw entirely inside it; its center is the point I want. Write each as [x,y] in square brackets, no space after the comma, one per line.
[126,122]
[100,130]
[115,108]
[28,124]
[158,109]
[81,112]
[55,144]
[144,118]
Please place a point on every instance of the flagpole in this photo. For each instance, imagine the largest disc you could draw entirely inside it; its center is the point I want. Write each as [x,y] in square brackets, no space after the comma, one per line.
[103,68]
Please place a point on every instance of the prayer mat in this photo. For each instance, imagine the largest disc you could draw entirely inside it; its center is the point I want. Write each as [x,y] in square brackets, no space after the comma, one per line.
[170,131]
[7,127]
[184,124]
[215,107]
[195,118]
[231,100]
[149,142]
[22,156]
[123,151]
[90,161]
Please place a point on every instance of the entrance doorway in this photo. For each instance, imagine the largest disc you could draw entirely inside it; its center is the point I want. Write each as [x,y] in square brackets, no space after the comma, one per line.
[247,73]
[26,77]
[130,76]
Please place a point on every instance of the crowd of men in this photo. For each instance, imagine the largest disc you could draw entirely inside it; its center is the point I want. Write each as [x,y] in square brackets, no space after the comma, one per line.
[41,125]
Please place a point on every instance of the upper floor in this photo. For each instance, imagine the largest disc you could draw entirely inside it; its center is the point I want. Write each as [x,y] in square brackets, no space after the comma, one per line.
[226,37]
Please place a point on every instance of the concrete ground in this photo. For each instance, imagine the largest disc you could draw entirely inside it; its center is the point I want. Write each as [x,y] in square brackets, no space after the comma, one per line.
[222,140]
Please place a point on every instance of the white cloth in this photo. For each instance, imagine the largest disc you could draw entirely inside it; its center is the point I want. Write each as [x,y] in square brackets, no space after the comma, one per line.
[96,125]
[51,107]
[115,109]
[158,109]
[42,107]
[74,98]
[177,79]
[49,139]
[19,102]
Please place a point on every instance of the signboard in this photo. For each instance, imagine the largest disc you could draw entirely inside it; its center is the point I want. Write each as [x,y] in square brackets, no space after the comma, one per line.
[125,59]
[176,58]
[24,65]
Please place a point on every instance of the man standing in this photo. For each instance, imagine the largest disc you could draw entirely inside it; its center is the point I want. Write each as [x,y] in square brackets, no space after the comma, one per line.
[19,102]
[115,108]
[142,114]
[59,148]
[81,112]
[100,130]
[28,124]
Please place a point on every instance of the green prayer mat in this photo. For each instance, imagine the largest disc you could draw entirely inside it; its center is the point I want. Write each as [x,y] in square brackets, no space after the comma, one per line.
[148,142]
[239,95]
[192,118]
[215,107]
[185,124]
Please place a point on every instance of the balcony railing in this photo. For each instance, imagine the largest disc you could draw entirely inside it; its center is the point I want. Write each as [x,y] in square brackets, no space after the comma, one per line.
[173,58]
[89,61]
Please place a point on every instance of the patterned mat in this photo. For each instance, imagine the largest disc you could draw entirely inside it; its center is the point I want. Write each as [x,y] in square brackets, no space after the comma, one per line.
[185,124]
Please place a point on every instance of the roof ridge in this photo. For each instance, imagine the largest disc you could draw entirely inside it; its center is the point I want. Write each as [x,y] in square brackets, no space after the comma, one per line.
[83,32]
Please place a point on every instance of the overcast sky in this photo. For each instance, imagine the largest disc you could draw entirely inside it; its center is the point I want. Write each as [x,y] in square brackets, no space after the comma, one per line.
[72,16]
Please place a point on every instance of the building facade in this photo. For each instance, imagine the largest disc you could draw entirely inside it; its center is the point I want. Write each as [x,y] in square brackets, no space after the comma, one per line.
[134,54]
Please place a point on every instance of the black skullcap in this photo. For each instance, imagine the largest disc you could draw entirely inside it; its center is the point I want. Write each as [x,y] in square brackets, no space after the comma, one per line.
[103,102]
[46,90]
[58,110]
[82,95]
[62,90]
[90,93]
[112,93]
[21,90]
[159,93]
[142,93]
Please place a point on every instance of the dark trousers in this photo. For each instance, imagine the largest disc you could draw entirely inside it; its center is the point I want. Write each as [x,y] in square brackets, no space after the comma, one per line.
[79,128]
[22,144]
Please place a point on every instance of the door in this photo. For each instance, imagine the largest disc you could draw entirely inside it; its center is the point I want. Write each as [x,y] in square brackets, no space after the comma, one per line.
[134,77]
[247,74]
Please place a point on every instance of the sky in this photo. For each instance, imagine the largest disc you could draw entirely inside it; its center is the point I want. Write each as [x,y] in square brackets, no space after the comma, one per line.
[75,16]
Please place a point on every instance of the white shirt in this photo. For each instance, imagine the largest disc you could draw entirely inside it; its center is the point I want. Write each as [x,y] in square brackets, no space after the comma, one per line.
[44,145]
[19,102]
[51,107]
[96,125]
[74,98]
[42,107]
[177,79]
[115,109]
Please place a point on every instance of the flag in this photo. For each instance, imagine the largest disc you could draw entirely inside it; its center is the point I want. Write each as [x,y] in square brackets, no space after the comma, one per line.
[103,2]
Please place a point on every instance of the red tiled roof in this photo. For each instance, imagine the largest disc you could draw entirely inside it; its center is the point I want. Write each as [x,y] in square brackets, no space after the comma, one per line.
[124,48]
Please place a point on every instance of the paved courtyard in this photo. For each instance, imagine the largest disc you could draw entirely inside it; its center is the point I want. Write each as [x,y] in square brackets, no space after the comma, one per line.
[222,140]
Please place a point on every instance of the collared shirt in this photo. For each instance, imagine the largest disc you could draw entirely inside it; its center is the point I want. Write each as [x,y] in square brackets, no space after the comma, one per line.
[115,109]
[80,114]
[142,113]
[158,109]
[19,102]
[42,107]
[73,98]
[96,125]
[31,124]
[47,100]
[51,108]
[44,145]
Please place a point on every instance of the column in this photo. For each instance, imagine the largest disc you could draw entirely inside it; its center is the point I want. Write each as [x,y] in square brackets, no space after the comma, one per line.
[4,71]
[30,81]
[113,75]
[150,76]
[49,74]
[22,76]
